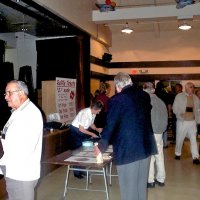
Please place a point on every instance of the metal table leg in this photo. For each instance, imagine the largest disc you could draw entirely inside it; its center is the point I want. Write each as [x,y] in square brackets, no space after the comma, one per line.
[66,183]
[106,184]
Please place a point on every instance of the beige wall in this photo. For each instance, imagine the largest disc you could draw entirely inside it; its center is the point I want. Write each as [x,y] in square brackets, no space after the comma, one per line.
[95,86]
[94,83]
[168,46]
[97,49]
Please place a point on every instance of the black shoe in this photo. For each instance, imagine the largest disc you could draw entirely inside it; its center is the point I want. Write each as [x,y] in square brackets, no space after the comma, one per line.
[79,176]
[160,183]
[177,157]
[196,161]
[151,185]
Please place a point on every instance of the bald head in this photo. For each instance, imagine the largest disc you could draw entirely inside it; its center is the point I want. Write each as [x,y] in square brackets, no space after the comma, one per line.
[189,88]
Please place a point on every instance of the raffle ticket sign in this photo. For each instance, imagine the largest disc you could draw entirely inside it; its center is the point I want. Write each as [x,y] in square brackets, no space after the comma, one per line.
[65,99]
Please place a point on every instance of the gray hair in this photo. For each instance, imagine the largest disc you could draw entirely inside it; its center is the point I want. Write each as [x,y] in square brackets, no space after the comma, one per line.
[21,86]
[149,87]
[122,79]
[188,84]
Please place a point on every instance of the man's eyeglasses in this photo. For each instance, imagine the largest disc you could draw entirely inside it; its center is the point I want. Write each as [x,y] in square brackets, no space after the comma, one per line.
[9,93]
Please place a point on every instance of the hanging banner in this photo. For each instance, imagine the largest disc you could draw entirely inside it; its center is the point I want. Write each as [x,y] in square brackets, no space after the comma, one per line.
[65,99]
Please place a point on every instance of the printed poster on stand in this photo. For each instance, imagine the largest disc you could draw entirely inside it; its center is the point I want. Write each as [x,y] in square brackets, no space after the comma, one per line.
[65,99]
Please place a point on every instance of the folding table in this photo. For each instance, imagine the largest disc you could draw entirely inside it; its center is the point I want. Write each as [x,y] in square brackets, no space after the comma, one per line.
[83,159]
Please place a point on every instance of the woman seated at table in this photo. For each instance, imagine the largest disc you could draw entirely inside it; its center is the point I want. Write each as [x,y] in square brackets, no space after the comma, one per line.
[83,128]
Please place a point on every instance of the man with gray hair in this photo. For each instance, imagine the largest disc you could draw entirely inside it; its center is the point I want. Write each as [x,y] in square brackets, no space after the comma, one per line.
[129,130]
[159,120]
[186,107]
[22,143]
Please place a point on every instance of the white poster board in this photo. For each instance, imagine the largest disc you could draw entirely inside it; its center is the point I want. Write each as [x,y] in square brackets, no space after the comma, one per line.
[65,99]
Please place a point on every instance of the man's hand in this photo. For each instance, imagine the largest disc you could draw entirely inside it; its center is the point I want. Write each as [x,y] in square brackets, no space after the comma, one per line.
[99,130]
[98,154]
[96,149]
[95,136]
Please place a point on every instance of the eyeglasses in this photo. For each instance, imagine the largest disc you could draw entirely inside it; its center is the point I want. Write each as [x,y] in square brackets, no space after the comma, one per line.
[9,93]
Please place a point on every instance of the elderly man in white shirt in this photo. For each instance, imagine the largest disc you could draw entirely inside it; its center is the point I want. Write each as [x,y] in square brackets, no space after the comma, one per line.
[22,143]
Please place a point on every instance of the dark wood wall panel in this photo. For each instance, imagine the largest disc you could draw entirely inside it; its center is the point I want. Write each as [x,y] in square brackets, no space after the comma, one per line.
[150,64]
[165,77]
[155,64]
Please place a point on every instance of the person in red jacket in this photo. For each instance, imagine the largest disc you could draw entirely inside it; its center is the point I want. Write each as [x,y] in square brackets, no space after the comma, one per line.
[104,98]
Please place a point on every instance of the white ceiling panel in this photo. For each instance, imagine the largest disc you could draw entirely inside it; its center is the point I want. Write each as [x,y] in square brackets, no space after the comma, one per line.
[134,3]
[148,15]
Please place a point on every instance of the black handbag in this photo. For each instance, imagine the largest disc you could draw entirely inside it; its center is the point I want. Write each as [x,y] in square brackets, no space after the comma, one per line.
[1,149]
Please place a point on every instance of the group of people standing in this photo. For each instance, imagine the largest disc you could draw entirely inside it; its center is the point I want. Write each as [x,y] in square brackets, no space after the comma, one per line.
[135,122]
[184,110]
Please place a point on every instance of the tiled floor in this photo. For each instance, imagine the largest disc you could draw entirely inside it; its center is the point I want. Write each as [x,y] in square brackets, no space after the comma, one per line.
[182,182]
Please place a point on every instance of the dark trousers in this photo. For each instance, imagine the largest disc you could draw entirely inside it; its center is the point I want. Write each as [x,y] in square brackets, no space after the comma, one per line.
[76,139]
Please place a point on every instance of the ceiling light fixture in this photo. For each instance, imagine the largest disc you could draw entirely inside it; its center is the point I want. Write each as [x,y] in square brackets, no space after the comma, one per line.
[184,26]
[126,29]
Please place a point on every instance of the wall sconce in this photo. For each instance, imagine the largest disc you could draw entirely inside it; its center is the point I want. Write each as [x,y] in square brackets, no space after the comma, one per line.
[126,29]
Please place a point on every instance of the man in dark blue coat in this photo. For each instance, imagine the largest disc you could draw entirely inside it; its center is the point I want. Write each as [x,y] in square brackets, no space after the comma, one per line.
[130,132]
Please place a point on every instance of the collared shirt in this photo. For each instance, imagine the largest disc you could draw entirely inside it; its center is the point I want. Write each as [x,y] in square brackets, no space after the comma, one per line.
[23,143]
[84,118]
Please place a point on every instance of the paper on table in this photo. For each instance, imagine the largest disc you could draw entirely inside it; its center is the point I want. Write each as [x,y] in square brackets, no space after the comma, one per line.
[86,159]
[89,154]
[85,154]
[81,159]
